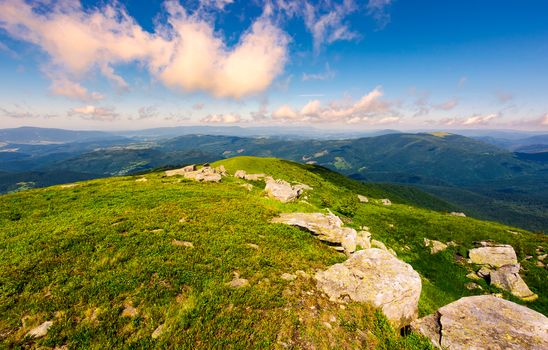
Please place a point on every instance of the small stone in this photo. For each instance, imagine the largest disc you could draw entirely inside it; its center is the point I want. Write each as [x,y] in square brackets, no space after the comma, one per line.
[302,274]
[41,330]
[484,272]
[248,187]
[238,282]
[143,179]
[158,331]
[472,286]
[158,230]
[542,257]
[386,201]
[435,246]
[252,246]
[473,276]
[182,243]
[455,213]
[363,199]
[129,311]
[288,276]
[327,325]
[540,264]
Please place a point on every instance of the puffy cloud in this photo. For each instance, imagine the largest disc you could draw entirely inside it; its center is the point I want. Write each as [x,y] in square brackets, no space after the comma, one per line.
[222,119]
[184,53]
[202,62]
[94,113]
[369,109]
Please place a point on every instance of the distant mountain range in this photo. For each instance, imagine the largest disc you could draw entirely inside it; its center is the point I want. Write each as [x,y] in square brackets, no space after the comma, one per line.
[483,178]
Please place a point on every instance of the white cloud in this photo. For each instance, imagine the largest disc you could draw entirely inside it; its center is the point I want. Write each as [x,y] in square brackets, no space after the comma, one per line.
[369,109]
[329,26]
[222,119]
[185,53]
[217,4]
[474,120]
[544,120]
[94,113]
[63,87]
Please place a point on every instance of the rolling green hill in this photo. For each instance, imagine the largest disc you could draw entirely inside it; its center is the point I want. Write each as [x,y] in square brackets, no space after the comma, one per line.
[480,179]
[112,261]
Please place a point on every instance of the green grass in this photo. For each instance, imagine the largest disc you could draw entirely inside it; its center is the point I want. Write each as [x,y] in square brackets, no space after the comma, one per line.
[80,255]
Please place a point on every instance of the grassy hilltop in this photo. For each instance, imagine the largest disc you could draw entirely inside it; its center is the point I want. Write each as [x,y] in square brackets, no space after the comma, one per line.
[107,261]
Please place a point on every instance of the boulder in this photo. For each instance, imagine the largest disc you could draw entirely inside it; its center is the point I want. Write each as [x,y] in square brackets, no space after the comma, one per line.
[327,227]
[435,246]
[363,199]
[238,282]
[282,190]
[375,277]
[507,277]
[493,255]
[455,213]
[484,322]
[252,177]
[240,174]
[386,201]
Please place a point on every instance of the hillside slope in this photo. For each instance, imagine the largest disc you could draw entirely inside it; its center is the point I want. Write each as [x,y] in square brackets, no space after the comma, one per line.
[113,261]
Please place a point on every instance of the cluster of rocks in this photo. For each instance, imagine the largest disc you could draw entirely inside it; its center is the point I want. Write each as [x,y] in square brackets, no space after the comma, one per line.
[455,213]
[328,228]
[206,173]
[484,322]
[500,268]
[371,275]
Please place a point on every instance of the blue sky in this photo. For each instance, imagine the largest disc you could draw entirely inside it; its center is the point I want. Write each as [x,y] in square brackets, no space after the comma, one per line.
[347,64]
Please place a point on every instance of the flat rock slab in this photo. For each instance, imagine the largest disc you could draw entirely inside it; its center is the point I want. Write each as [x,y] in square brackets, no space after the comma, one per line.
[497,256]
[328,228]
[485,322]
[376,277]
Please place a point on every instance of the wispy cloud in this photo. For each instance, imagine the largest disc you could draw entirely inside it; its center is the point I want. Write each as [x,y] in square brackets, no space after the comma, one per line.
[222,119]
[378,10]
[327,74]
[91,112]
[147,112]
[474,120]
[504,96]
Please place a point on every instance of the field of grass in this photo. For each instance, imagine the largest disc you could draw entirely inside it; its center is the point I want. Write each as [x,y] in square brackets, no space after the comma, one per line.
[99,260]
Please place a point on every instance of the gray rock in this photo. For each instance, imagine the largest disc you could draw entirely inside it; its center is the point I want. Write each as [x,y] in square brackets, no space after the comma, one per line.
[386,201]
[375,277]
[494,255]
[455,213]
[182,243]
[327,227]
[282,190]
[41,330]
[288,276]
[238,282]
[507,277]
[363,199]
[484,322]
[158,332]
[435,246]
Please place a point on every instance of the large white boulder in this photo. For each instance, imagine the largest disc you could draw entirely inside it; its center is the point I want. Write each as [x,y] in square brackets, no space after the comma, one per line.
[485,322]
[376,277]
[493,255]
